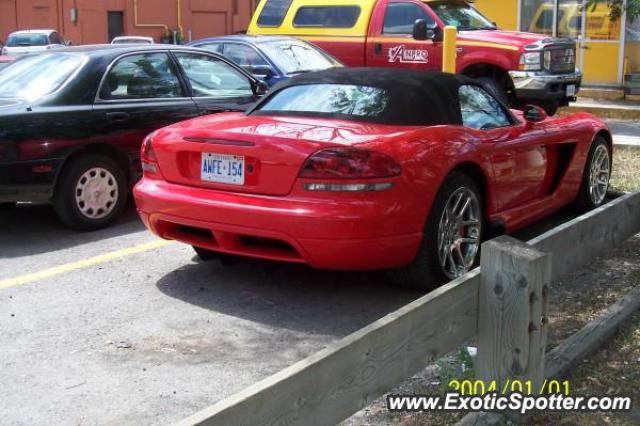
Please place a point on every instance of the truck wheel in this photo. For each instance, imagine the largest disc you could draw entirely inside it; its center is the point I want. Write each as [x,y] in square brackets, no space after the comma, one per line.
[452,235]
[494,88]
[550,107]
[91,192]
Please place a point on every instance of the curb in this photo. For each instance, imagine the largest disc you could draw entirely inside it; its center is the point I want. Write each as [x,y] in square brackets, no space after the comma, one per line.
[622,112]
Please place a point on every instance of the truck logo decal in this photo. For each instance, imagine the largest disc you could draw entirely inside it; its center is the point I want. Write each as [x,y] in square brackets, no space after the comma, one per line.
[408,56]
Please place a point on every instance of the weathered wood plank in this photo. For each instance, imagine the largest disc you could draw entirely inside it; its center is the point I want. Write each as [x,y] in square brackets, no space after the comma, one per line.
[336,382]
[574,244]
[581,344]
[511,327]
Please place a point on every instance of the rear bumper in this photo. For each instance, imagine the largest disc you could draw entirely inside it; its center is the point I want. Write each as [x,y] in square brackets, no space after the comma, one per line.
[534,85]
[345,235]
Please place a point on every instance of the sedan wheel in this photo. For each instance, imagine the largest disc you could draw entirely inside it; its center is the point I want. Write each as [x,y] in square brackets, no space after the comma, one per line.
[459,233]
[91,192]
[451,238]
[595,179]
[599,174]
[96,193]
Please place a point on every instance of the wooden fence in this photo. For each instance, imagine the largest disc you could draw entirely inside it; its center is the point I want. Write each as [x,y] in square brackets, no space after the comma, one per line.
[503,303]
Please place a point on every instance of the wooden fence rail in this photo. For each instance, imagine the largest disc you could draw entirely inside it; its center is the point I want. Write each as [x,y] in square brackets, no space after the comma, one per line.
[348,375]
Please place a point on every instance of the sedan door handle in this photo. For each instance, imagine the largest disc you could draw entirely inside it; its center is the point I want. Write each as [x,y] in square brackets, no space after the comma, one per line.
[118,117]
[377,48]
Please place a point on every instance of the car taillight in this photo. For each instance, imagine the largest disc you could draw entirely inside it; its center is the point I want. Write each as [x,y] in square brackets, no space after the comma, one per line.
[148,157]
[349,163]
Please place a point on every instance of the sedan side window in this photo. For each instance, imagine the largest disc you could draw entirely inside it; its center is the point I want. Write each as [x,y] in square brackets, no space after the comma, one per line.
[142,76]
[54,38]
[245,56]
[210,76]
[480,110]
[211,47]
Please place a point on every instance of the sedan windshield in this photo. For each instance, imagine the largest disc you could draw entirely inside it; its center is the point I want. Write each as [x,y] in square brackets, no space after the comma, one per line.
[293,57]
[26,40]
[32,77]
[328,100]
[461,15]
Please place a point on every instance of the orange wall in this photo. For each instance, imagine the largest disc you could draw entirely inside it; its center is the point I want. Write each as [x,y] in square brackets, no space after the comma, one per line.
[203,17]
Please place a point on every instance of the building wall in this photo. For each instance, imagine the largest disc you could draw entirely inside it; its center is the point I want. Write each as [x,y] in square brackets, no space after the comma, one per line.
[504,13]
[201,18]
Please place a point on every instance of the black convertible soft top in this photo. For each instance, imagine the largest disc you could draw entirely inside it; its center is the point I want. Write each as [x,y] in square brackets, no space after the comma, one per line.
[416,98]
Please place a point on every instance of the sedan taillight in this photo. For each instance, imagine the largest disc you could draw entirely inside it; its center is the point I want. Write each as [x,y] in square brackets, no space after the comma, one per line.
[349,163]
[148,157]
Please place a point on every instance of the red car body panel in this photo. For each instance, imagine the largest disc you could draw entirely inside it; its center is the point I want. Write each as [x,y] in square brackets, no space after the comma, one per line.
[526,171]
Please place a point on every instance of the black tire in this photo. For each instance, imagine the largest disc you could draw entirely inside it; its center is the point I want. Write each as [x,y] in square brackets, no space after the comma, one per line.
[550,107]
[425,272]
[207,255]
[495,89]
[64,200]
[584,202]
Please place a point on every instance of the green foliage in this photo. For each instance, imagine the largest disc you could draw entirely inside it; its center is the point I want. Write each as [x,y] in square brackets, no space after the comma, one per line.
[616,7]
[460,368]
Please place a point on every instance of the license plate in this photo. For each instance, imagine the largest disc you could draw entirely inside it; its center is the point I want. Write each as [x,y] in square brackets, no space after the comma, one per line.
[571,90]
[222,168]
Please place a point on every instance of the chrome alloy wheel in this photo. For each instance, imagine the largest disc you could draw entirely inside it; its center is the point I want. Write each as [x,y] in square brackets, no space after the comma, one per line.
[96,193]
[459,233]
[599,170]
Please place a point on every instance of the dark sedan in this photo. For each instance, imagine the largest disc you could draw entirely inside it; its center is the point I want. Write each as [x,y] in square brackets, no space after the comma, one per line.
[72,120]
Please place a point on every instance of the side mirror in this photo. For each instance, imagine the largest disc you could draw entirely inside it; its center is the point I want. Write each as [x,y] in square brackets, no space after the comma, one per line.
[534,114]
[420,30]
[261,71]
[260,88]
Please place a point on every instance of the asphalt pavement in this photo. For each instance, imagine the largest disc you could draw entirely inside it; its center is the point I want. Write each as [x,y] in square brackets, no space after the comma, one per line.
[625,132]
[153,336]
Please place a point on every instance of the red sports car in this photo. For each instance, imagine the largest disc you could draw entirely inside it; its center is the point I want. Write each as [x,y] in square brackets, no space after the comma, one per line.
[357,169]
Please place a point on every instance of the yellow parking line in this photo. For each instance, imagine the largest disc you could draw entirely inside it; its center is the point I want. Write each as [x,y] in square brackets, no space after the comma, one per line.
[68,267]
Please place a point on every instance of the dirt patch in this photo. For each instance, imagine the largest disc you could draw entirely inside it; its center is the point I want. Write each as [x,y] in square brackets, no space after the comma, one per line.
[624,174]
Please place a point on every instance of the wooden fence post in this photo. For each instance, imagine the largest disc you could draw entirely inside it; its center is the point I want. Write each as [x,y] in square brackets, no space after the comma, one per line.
[512,314]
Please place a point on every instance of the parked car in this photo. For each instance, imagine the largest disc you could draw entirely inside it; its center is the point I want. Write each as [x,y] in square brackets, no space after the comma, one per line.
[270,58]
[6,60]
[518,67]
[30,41]
[132,40]
[72,121]
[368,168]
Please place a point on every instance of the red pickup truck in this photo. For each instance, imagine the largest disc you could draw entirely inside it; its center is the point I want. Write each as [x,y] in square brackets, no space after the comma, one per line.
[520,67]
